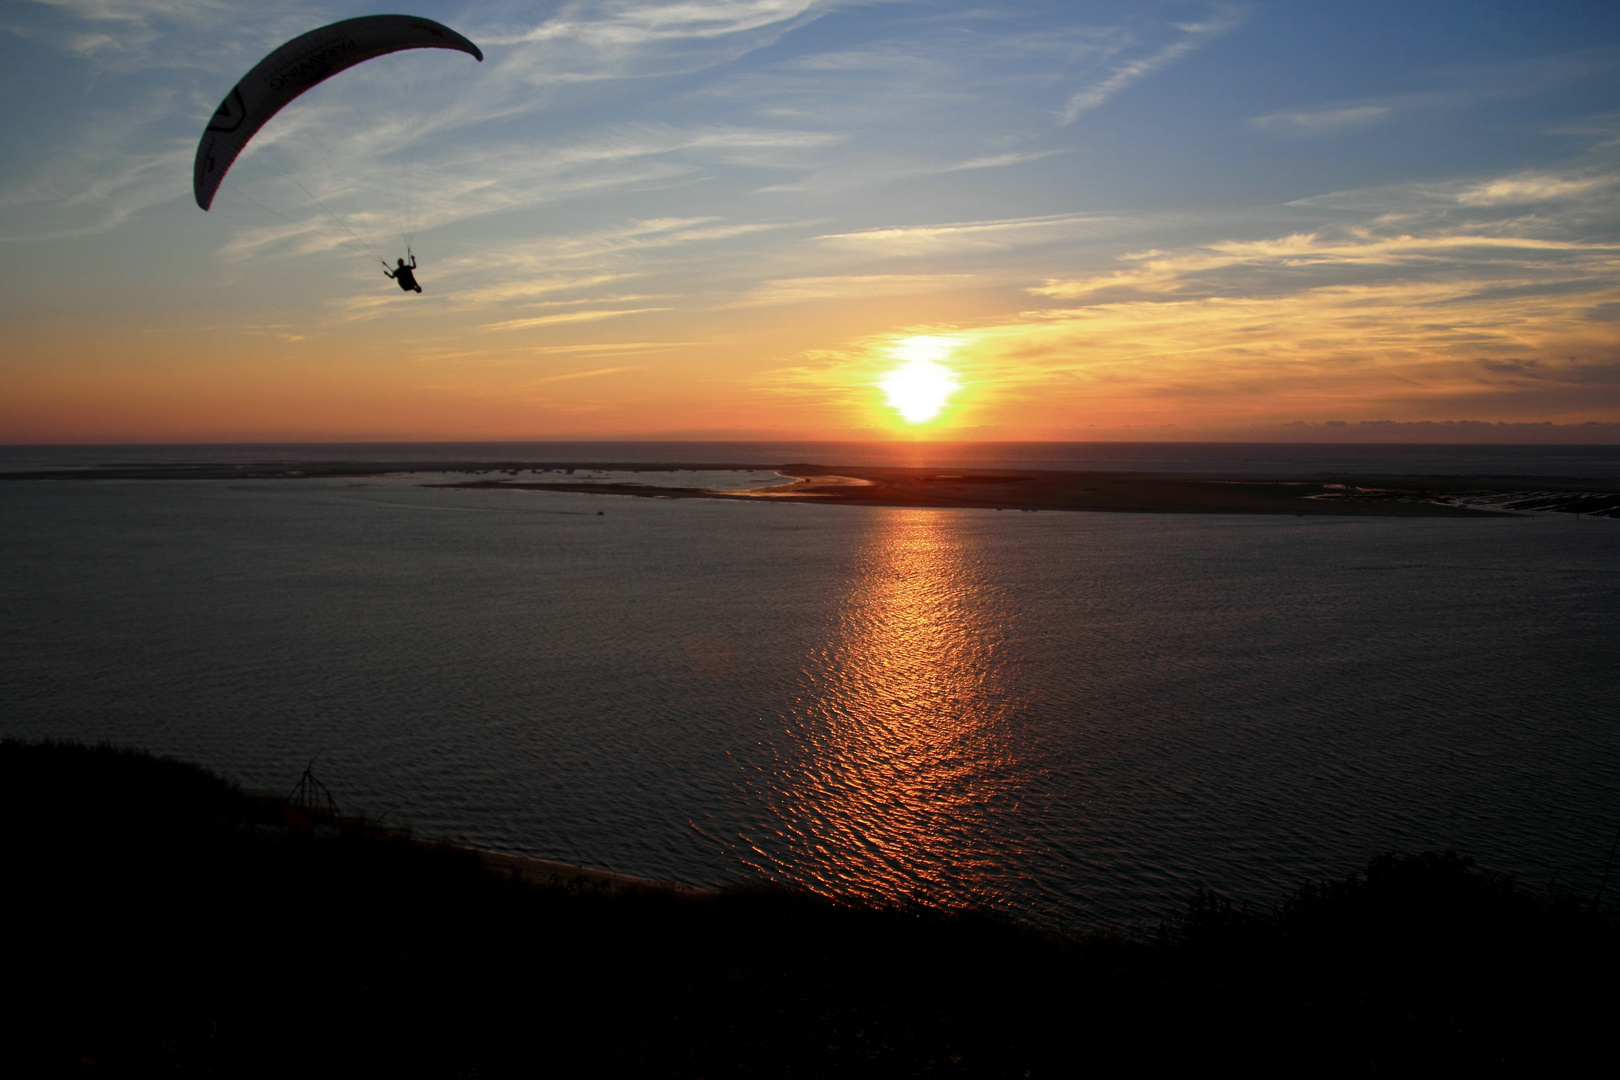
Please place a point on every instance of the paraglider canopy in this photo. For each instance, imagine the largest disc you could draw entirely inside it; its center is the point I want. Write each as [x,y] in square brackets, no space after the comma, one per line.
[304,62]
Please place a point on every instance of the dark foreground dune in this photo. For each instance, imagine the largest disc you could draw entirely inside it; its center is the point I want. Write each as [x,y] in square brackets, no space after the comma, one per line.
[164,922]
[999,489]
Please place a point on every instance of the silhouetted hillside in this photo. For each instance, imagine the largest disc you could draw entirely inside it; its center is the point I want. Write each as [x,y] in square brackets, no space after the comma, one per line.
[164,921]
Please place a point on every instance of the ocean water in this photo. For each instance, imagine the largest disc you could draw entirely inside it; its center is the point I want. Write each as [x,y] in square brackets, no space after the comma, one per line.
[1072,718]
[1575,460]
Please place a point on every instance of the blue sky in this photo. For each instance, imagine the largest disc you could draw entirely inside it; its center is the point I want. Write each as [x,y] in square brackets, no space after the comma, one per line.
[735,218]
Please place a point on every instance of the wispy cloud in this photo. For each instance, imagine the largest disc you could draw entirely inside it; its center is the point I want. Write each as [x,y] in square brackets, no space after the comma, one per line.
[461,164]
[1482,297]
[608,347]
[1549,229]
[568,317]
[1463,303]
[916,239]
[134,10]
[855,286]
[644,235]
[526,355]
[1449,88]
[1191,36]
[1000,161]
[94,190]
[720,183]
[638,39]
[1292,260]
[1403,351]
[1321,121]
[521,287]
[457,183]
[592,374]
[1533,188]
[119,37]
[632,22]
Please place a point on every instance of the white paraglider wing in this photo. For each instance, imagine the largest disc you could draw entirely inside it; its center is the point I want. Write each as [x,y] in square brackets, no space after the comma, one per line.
[295,67]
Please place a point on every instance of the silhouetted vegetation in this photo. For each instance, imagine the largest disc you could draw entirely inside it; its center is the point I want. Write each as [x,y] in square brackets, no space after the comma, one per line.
[164,921]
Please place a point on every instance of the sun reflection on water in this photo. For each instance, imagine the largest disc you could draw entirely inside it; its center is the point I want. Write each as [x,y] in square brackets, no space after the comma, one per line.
[900,752]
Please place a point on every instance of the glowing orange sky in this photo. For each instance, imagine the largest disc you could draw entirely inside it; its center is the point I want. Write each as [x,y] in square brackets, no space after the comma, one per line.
[731,226]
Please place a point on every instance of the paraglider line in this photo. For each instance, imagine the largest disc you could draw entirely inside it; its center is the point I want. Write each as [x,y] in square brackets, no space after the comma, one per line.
[367,248]
[342,225]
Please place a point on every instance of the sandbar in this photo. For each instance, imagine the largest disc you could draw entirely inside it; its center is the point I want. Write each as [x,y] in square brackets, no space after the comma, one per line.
[1033,490]
[1028,490]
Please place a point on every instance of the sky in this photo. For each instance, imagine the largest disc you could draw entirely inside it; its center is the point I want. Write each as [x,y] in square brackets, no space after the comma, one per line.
[822,219]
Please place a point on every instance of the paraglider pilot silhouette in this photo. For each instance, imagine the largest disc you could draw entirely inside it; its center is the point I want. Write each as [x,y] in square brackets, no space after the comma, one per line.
[293,68]
[403,275]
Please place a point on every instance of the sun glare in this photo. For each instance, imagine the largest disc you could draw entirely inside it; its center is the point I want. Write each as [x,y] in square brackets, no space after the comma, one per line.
[921,386]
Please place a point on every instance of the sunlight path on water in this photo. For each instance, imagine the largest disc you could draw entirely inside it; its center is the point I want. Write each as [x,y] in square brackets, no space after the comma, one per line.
[901,752]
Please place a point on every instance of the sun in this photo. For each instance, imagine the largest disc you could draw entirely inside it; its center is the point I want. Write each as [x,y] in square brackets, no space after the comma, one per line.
[921,386]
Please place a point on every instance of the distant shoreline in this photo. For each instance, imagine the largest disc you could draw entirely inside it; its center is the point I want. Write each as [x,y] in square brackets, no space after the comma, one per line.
[1325,493]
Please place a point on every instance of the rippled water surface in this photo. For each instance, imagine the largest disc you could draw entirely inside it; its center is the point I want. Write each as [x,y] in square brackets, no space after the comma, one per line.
[1075,718]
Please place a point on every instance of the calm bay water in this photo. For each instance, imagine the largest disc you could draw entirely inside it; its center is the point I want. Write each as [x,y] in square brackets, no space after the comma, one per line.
[1075,718]
[1277,458]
